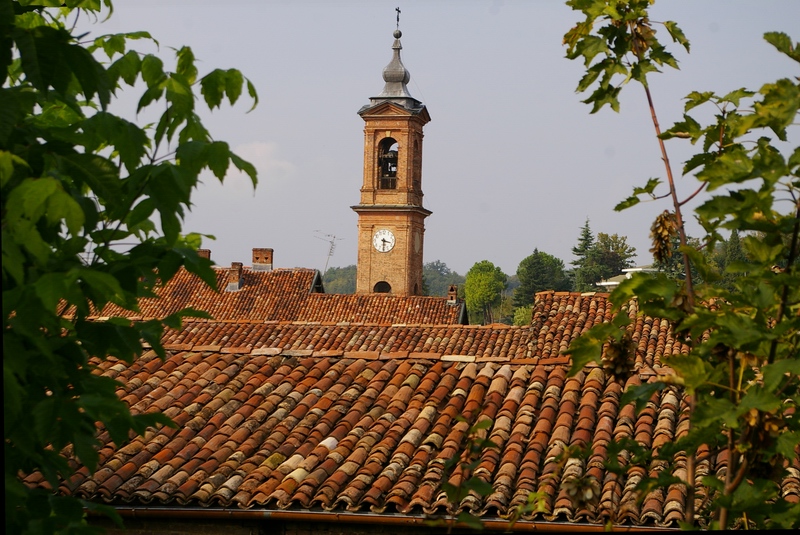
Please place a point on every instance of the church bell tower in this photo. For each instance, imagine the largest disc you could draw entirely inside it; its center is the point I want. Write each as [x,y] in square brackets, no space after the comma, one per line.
[391,219]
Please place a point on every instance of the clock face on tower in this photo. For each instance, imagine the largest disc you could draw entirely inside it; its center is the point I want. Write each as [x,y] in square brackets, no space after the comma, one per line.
[383,240]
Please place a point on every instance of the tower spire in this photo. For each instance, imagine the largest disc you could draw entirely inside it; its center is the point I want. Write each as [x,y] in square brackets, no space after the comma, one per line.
[396,77]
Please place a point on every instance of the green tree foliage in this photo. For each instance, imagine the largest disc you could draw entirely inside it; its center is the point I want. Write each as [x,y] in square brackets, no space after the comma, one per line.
[523,315]
[438,277]
[742,368]
[585,244]
[728,259]
[340,280]
[539,272]
[599,259]
[585,272]
[483,290]
[81,189]
[612,254]
[735,264]
[672,265]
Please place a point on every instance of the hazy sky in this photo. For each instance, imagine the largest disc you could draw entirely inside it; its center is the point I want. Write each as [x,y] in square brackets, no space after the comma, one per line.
[512,159]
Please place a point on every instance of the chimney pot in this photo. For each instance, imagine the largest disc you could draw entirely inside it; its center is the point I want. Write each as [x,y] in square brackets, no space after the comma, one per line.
[234,277]
[204,253]
[262,259]
[452,294]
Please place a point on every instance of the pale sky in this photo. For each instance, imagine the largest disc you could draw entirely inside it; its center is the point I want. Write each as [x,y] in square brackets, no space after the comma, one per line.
[512,160]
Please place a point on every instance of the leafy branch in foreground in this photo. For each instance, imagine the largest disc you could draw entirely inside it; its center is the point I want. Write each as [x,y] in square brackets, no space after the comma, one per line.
[81,189]
[740,374]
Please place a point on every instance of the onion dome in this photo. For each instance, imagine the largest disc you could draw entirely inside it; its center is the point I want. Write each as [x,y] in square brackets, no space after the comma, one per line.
[396,76]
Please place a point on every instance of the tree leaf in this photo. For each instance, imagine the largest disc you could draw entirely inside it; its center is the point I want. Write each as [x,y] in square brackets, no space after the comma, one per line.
[251,90]
[641,394]
[470,520]
[677,34]
[86,450]
[218,158]
[696,98]
[759,398]
[94,171]
[686,129]
[179,94]
[589,347]
[786,443]
[212,87]
[233,85]
[735,97]
[186,67]
[247,167]
[775,373]
[50,288]
[126,67]
[152,71]
[140,212]
[589,47]
[90,74]
[783,43]
[103,283]
[633,200]
[480,487]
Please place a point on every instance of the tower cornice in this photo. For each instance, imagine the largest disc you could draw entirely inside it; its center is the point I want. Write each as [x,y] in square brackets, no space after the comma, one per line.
[367,208]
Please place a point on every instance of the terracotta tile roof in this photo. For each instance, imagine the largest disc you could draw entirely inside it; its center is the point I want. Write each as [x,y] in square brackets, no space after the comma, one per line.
[276,294]
[557,320]
[361,418]
[378,308]
[288,295]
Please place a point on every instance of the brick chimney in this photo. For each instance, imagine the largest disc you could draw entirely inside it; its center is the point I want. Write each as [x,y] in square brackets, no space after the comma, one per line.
[262,259]
[234,277]
[452,294]
[204,253]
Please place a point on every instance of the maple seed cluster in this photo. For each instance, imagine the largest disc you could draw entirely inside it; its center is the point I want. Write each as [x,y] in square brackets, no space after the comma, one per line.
[642,36]
[760,431]
[664,228]
[618,356]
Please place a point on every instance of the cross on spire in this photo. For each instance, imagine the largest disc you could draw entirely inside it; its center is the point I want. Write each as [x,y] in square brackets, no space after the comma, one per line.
[398,17]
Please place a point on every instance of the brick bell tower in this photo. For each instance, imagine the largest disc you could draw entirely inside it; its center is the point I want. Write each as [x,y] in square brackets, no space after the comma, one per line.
[391,219]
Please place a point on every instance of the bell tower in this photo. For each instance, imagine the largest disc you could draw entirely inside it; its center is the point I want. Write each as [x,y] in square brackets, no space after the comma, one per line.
[391,219]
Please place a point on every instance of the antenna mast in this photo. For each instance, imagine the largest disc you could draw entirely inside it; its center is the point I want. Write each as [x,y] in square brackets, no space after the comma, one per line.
[331,239]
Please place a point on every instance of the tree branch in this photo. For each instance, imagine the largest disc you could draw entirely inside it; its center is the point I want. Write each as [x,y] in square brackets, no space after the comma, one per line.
[693,195]
[784,305]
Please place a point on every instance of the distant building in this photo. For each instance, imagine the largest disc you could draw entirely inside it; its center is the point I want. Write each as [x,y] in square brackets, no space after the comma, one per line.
[609,284]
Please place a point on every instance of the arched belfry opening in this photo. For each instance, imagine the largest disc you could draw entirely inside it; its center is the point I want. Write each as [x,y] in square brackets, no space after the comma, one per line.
[382,287]
[387,163]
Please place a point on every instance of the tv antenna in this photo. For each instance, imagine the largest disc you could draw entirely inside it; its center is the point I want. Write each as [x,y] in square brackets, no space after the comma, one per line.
[331,239]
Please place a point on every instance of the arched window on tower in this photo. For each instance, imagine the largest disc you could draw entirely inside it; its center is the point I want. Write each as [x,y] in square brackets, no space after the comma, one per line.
[382,287]
[387,164]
